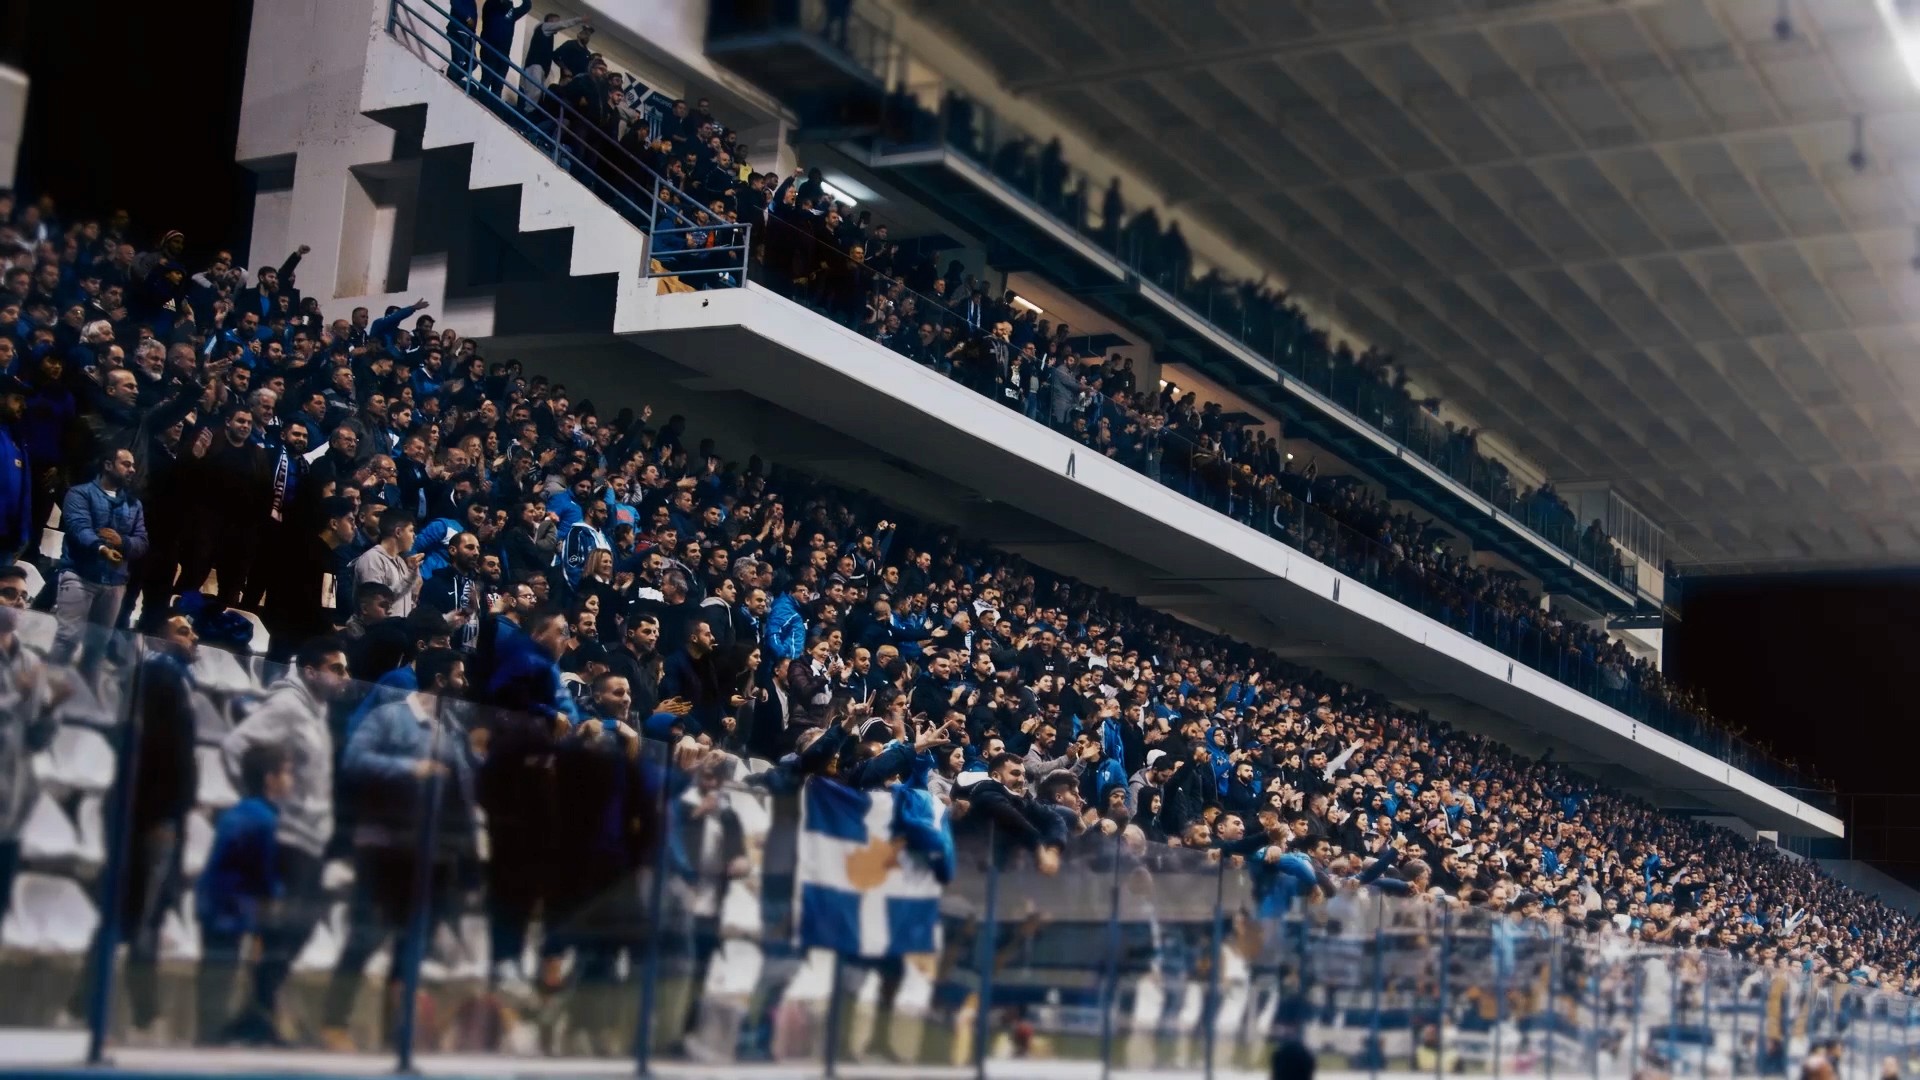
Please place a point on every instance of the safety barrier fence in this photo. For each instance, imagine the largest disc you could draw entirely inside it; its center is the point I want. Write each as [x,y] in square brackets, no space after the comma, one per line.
[643,896]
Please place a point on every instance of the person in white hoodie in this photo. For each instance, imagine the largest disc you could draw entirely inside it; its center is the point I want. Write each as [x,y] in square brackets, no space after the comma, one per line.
[389,563]
[294,716]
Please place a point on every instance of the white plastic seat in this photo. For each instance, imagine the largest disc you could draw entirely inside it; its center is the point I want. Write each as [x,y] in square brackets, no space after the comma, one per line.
[53,542]
[199,844]
[50,914]
[35,580]
[90,834]
[336,876]
[48,835]
[210,722]
[323,947]
[82,759]
[180,933]
[216,791]
[37,628]
[88,705]
[217,669]
[755,816]
[740,911]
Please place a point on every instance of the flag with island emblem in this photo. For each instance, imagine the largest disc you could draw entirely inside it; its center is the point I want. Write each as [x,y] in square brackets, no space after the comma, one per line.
[870,869]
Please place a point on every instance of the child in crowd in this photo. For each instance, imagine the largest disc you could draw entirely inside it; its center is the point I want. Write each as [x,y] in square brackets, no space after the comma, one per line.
[233,892]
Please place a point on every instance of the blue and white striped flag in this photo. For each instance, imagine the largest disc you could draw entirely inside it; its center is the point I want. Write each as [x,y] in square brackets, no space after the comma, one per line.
[869,869]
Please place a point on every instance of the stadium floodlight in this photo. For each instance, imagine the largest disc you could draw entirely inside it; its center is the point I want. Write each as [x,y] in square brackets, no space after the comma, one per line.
[1025,304]
[1902,28]
[838,196]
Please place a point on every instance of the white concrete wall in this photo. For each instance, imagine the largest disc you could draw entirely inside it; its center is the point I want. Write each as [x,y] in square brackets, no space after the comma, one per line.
[314,72]
[13,120]
[1866,879]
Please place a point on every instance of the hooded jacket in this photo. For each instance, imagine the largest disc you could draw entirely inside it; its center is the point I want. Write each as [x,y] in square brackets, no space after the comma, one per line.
[291,717]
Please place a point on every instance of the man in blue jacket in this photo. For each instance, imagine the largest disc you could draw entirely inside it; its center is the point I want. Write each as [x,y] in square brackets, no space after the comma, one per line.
[240,879]
[16,477]
[787,624]
[106,532]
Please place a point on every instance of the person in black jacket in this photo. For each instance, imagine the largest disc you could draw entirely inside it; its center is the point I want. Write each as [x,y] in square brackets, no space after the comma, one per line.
[693,675]
[159,774]
[1001,812]
[230,483]
[296,607]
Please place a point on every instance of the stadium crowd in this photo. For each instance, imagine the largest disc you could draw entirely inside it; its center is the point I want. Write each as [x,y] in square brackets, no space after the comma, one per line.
[818,253]
[848,267]
[419,524]
[1259,314]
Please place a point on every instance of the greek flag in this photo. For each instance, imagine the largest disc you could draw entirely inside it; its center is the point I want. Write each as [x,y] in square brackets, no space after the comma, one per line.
[871,865]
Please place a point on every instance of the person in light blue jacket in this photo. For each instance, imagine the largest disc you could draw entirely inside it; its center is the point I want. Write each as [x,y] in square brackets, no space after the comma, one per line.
[106,532]
[409,772]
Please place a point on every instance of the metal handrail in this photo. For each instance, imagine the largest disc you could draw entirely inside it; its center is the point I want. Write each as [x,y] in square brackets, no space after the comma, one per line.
[534,99]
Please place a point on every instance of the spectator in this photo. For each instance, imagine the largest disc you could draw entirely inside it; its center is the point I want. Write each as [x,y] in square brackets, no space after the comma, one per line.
[16,474]
[413,774]
[387,563]
[234,890]
[300,593]
[160,777]
[231,486]
[692,675]
[293,717]
[27,697]
[1003,819]
[539,55]
[531,714]
[710,833]
[106,532]
[497,18]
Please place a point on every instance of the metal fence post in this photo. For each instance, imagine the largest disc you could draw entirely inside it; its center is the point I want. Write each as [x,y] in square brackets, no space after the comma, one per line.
[1446,974]
[1110,976]
[985,951]
[1634,976]
[830,1055]
[1553,995]
[657,900]
[1906,1034]
[1596,1011]
[1673,1009]
[1375,1051]
[1498,928]
[1737,1010]
[1211,1006]
[420,919]
[1706,1011]
[113,883]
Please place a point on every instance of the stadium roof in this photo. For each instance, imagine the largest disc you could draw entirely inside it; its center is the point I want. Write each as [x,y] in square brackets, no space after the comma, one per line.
[1629,235]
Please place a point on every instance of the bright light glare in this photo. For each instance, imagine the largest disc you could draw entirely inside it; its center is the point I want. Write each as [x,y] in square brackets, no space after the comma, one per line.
[837,195]
[1901,28]
[1027,305]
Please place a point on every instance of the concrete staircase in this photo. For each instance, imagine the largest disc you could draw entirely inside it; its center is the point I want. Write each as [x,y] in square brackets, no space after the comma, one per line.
[406,187]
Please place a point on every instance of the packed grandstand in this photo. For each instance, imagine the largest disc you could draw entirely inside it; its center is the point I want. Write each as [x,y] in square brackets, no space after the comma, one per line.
[299,566]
